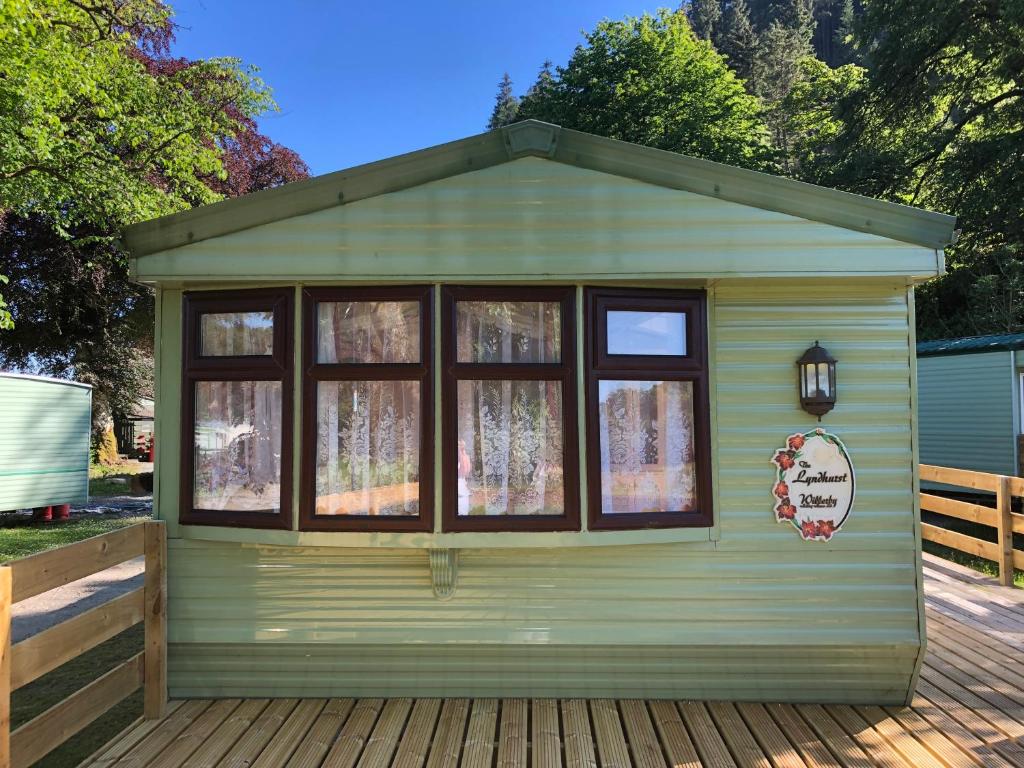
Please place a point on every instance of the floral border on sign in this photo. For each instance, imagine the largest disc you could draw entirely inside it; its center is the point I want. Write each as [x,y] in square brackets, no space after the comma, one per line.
[785,511]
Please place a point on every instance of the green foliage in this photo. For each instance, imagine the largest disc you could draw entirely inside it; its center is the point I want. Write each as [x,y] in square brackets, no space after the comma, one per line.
[506,105]
[100,128]
[939,123]
[649,80]
[84,127]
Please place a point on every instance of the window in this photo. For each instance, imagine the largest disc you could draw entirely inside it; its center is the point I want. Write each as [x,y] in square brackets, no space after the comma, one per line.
[237,405]
[509,404]
[368,409]
[648,446]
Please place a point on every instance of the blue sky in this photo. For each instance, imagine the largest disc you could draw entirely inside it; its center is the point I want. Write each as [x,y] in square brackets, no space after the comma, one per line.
[360,81]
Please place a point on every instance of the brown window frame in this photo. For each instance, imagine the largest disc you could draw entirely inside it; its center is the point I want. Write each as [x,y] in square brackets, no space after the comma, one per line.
[691,367]
[196,367]
[314,373]
[453,371]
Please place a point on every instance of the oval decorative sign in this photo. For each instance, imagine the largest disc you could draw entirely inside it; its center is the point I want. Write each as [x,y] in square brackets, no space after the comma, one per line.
[814,485]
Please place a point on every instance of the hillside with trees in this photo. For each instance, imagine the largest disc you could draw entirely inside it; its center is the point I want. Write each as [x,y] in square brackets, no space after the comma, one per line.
[904,100]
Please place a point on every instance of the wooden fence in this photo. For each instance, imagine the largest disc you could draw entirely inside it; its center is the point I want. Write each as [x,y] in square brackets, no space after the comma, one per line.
[33,657]
[1001,517]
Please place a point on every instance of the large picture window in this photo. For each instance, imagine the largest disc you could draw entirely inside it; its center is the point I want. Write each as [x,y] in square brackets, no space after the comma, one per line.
[648,448]
[368,409]
[236,421]
[509,438]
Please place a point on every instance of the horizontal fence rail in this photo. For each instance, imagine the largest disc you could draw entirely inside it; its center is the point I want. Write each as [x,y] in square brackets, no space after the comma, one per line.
[1001,516]
[33,657]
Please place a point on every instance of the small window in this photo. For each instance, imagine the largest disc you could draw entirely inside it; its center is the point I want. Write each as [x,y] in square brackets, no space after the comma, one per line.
[509,404]
[368,438]
[648,454]
[646,333]
[236,425]
[236,334]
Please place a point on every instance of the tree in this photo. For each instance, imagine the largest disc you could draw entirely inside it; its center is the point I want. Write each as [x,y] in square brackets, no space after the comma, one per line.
[649,80]
[844,48]
[737,39]
[938,123]
[99,128]
[704,17]
[505,105]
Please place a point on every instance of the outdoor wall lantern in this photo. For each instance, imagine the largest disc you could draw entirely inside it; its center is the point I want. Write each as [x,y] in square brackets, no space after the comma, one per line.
[816,369]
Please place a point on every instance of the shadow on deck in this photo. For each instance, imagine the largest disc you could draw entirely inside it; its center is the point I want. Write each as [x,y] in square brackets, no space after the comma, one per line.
[968,711]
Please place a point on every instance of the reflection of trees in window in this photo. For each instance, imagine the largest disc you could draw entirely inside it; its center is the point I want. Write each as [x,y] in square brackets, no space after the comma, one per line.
[368,447]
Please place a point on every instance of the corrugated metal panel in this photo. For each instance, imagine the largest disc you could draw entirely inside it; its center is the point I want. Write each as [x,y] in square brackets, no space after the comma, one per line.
[764,615]
[538,218]
[44,442]
[966,411]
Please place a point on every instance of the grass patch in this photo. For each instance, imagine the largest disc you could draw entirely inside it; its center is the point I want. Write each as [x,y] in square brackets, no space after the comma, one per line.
[970,561]
[114,479]
[41,694]
[21,540]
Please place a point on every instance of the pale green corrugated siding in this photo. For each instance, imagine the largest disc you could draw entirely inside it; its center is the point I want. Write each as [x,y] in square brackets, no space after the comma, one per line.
[44,442]
[537,218]
[966,411]
[763,616]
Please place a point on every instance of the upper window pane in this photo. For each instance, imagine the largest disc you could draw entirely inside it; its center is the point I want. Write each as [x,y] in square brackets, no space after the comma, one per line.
[646,444]
[237,446]
[508,331]
[368,332]
[231,334]
[646,333]
[509,456]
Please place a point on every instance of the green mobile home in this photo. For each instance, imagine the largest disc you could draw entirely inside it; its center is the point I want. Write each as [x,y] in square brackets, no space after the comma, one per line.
[519,415]
[971,396]
[44,441]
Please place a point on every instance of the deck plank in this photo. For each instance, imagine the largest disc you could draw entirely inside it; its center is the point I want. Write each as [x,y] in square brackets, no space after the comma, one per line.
[147,750]
[842,732]
[318,740]
[706,738]
[737,737]
[354,734]
[448,739]
[415,746]
[579,740]
[643,741]
[193,737]
[479,747]
[290,735]
[545,735]
[612,751]
[110,753]
[811,748]
[676,742]
[256,737]
[227,734]
[512,734]
[384,739]
[769,737]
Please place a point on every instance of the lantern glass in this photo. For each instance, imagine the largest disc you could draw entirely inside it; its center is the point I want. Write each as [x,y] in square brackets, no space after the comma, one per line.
[824,385]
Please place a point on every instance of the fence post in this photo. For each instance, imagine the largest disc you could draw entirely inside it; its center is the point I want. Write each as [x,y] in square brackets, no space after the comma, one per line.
[6,594]
[155,622]
[1004,530]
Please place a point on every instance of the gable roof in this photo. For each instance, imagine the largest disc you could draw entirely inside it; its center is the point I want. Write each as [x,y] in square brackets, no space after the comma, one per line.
[967,344]
[539,139]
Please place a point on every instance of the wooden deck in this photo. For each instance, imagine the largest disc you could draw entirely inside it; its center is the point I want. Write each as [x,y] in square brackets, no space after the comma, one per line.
[969,711]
